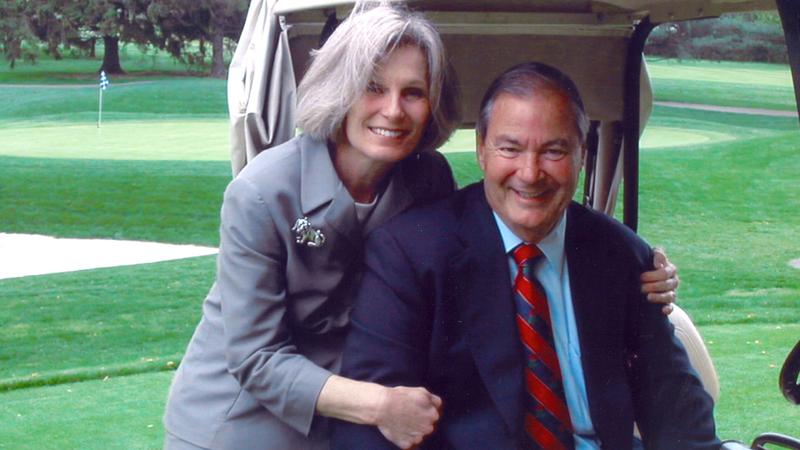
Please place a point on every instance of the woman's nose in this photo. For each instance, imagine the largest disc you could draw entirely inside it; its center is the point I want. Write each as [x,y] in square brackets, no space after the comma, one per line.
[393,105]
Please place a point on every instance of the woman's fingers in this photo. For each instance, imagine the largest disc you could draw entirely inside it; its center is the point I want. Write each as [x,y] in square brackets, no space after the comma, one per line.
[408,415]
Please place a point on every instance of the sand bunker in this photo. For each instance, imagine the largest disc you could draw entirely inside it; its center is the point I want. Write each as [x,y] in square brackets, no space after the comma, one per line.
[30,254]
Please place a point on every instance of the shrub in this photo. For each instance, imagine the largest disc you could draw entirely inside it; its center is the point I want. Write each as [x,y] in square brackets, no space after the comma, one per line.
[734,37]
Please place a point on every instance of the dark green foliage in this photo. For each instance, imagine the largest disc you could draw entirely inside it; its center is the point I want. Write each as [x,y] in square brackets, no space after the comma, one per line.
[173,25]
[14,32]
[182,21]
[734,37]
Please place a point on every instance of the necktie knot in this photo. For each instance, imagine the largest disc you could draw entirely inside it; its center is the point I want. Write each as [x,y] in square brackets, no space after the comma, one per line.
[526,254]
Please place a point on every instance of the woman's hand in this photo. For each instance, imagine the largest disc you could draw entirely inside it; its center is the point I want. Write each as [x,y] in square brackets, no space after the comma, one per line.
[406,415]
[660,284]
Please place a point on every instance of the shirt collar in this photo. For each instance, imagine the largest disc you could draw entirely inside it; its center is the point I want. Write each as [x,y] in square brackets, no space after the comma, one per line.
[552,246]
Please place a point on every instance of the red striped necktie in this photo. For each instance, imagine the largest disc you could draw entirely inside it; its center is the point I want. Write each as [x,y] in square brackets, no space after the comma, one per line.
[547,422]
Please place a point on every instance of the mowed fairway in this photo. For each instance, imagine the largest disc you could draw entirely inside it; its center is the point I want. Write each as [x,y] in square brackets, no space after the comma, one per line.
[86,357]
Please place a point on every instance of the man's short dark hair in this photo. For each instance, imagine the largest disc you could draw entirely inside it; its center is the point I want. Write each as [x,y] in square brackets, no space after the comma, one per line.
[528,79]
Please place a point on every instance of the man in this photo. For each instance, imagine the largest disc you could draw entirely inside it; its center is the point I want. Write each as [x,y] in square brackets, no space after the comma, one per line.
[556,352]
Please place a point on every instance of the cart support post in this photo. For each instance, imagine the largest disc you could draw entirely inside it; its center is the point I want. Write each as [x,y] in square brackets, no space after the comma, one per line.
[633,69]
[790,18]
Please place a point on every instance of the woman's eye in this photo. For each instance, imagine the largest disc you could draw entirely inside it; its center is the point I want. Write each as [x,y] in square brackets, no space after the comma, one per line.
[374,88]
[416,93]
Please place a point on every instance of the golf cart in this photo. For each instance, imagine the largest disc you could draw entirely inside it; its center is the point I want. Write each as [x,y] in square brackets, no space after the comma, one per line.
[598,43]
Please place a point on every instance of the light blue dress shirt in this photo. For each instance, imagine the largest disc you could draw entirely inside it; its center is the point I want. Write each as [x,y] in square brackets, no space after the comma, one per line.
[553,274]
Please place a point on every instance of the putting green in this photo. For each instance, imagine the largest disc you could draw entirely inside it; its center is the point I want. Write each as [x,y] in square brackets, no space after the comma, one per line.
[195,140]
[662,137]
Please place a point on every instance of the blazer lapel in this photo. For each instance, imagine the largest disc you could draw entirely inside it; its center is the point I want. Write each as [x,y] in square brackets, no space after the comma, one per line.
[482,289]
[589,263]
[585,261]
[321,187]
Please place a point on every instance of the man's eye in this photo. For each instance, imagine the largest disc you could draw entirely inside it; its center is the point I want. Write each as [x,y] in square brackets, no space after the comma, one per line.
[508,152]
[555,154]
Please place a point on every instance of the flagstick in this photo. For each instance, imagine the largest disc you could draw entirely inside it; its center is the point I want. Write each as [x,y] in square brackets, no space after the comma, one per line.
[100,109]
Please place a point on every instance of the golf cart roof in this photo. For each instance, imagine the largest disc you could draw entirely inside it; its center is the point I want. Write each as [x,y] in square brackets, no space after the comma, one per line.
[658,10]
[588,39]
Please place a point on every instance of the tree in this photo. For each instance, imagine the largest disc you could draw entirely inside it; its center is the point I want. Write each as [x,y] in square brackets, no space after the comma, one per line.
[65,23]
[183,21]
[115,21]
[167,24]
[14,31]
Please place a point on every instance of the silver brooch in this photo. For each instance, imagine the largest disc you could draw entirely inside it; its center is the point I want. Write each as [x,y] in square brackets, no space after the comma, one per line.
[306,234]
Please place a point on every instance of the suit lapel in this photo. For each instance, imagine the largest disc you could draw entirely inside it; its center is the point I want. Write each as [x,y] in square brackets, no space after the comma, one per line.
[482,289]
[395,198]
[321,188]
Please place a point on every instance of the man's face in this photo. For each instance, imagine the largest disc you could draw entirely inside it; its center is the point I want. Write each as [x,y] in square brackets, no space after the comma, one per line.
[531,157]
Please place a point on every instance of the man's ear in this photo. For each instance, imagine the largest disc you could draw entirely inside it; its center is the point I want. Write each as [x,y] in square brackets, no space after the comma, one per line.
[480,151]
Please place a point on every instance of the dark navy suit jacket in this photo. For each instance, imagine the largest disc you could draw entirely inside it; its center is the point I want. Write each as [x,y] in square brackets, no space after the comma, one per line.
[435,309]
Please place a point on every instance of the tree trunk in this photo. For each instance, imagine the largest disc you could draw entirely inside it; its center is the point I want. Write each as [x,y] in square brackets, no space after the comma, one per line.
[218,49]
[92,47]
[111,56]
[52,49]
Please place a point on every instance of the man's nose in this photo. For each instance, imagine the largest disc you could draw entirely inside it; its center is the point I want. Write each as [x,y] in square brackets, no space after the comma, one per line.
[529,169]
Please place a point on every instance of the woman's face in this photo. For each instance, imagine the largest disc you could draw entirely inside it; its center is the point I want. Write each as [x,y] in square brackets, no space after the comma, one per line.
[387,121]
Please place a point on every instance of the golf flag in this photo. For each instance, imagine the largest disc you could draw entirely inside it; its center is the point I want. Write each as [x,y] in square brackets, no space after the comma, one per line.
[103,87]
[103,80]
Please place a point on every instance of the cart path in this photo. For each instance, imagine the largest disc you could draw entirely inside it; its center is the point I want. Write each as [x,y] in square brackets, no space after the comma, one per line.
[72,86]
[730,109]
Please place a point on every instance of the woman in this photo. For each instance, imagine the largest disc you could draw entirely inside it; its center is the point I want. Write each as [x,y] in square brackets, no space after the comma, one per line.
[260,369]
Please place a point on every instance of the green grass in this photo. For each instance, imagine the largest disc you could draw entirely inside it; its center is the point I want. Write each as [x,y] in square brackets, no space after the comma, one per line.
[147,100]
[728,215]
[89,324]
[748,359]
[169,201]
[718,190]
[111,413]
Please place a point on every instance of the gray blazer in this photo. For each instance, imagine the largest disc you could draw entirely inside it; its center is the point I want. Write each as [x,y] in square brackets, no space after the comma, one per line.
[274,321]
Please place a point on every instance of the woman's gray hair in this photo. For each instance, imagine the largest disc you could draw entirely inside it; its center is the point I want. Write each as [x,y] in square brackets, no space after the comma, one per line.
[340,71]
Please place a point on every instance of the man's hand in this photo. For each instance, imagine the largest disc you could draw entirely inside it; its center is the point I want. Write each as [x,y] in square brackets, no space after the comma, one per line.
[660,284]
[406,415]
